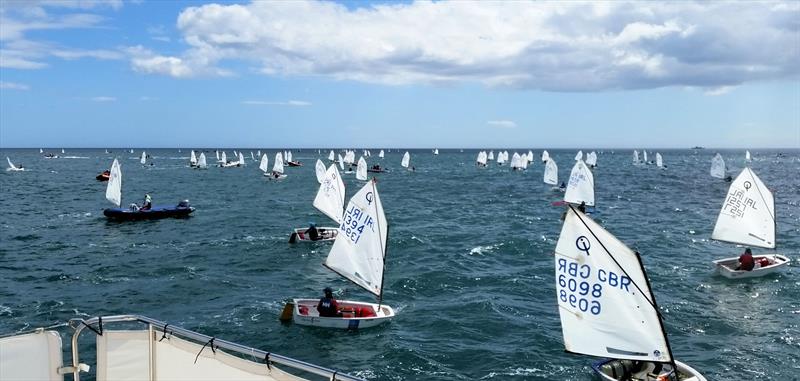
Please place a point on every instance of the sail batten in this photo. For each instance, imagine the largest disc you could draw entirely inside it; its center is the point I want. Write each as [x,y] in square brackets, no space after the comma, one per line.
[747,216]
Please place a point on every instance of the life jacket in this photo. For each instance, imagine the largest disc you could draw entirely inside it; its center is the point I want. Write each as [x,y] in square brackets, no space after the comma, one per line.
[328,307]
[746,262]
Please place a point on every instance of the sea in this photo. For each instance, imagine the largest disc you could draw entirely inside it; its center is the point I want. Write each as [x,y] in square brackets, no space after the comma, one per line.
[469,268]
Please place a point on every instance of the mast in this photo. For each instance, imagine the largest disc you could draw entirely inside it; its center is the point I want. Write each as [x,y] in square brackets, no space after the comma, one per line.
[660,319]
[385,247]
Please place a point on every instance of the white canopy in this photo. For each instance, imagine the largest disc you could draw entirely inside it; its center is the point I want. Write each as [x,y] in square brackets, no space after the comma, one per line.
[580,187]
[330,196]
[114,188]
[31,357]
[606,306]
[748,213]
[201,162]
[551,172]
[359,250]
[278,166]
[320,170]
[718,167]
[406,160]
[361,171]
[264,164]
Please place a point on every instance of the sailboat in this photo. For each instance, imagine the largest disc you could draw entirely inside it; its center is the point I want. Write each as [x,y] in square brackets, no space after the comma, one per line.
[406,160]
[501,158]
[551,175]
[192,159]
[718,167]
[490,157]
[660,161]
[12,167]
[41,150]
[320,171]
[747,218]
[591,159]
[580,187]
[358,254]
[252,156]
[380,154]
[644,157]
[516,162]
[230,164]
[579,156]
[545,156]
[636,158]
[530,157]
[201,162]
[331,157]
[747,157]
[290,162]
[277,168]
[114,195]
[329,201]
[480,161]
[264,164]
[607,308]
[436,151]
[361,170]
[223,159]
[143,159]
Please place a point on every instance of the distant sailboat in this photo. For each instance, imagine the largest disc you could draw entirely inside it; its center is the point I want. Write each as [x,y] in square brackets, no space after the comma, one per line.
[143,159]
[436,151]
[201,162]
[591,159]
[277,168]
[718,167]
[41,150]
[636,157]
[114,195]
[114,187]
[516,162]
[551,173]
[361,170]
[580,187]
[579,156]
[659,161]
[331,157]
[481,159]
[62,151]
[747,157]
[380,155]
[320,170]
[264,164]
[545,156]
[12,167]
[192,159]
[490,156]
[406,160]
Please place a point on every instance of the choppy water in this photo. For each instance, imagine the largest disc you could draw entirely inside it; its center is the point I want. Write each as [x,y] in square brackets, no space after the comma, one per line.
[470,265]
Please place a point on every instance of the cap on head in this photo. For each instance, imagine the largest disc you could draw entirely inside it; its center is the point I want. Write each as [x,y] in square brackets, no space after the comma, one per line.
[748,251]
[328,291]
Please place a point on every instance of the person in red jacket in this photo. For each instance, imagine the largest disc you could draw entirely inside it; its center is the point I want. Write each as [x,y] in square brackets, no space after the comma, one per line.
[328,306]
[746,261]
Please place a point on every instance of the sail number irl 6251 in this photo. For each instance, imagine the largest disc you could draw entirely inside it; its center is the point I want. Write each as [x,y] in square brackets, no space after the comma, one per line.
[576,287]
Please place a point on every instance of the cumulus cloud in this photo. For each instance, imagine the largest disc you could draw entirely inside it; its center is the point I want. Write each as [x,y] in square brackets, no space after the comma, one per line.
[274,103]
[554,46]
[502,123]
[13,86]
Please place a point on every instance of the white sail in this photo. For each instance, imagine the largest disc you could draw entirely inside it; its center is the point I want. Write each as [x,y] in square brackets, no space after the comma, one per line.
[62,151]
[330,196]
[289,156]
[545,156]
[252,157]
[659,160]
[579,156]
[361,171]
[406,160]
[106,150]
[341,162]
[143,159]
[530,156]
[217,153]
[747,157]
[500,158]
[644,156]
[235,154]
[605,303]
[747,216]
[436,151]
[320,170]
[331,157]
[201,162]
[523,161]
[481,158]
[635,157]
[718,167]
[580,187]
[359,249]
[11,166]
[192,159]
[258,154]
[490,156]
[551,172]
[114,188]
[278,166]
[591,159]
[264,164]
[350,157]
[42,151]
[380,155]
[241,158]
[516,161]
[223,158]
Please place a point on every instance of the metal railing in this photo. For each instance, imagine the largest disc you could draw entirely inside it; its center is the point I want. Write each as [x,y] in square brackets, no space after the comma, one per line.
[80,324]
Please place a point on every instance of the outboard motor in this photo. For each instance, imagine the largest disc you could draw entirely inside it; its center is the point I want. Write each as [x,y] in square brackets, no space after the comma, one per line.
[184,204]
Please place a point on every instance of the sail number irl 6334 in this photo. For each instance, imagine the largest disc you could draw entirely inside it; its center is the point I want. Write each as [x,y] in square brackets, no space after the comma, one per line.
[576,287]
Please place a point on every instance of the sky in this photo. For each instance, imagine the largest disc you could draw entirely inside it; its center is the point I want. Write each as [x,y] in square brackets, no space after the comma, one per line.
[420,74]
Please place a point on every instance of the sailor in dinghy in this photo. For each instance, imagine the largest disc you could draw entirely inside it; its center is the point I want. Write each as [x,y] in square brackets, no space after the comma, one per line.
[329,201]
[134,212]
[607,308]
[359,255]
[747,217]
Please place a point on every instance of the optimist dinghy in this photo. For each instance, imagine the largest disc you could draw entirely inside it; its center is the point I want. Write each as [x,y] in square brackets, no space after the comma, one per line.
[607,308]
[277,168]
[329,201]
[358,254]
[12,167]
[747,217]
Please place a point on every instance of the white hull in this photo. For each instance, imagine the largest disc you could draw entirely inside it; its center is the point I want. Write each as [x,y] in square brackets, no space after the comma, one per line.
[304,312]
[15,169]
[685,372]
[269,176]
[727,266]
[327,234]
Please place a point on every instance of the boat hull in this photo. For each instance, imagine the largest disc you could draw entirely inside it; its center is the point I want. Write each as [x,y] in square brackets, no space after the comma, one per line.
[271,177]
[623,370]
[154,213]
[327,234]
[102,177]
[304,312]
[727,266]
[294,164]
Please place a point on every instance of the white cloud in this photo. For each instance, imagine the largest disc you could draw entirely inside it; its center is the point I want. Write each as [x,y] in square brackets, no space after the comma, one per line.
[274,103]
[13,86]
[146,98]
[719,90]
[502,123]
[557,46]
[104,99]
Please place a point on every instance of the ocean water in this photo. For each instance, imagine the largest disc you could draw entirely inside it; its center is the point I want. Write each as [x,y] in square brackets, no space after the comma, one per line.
[469,265]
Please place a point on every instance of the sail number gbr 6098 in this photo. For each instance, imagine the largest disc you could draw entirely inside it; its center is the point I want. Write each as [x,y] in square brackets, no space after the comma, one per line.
[581,287]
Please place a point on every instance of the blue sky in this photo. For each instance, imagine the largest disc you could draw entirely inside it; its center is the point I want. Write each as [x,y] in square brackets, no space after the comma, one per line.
[400,74]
